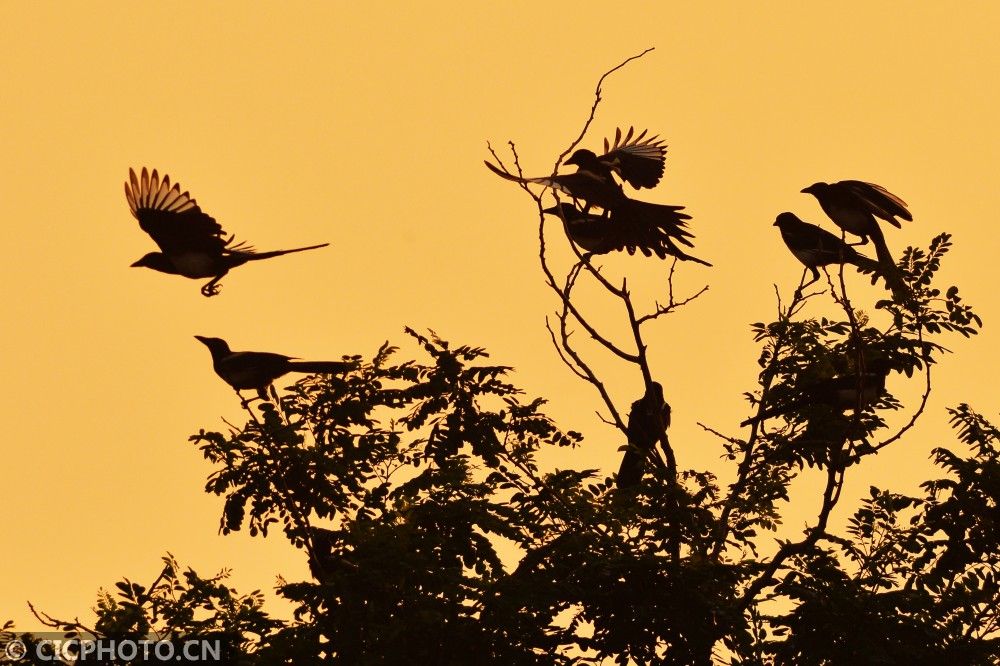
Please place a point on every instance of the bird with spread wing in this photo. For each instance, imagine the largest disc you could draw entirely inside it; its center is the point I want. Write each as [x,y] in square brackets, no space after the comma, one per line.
[637,160]
[192,244]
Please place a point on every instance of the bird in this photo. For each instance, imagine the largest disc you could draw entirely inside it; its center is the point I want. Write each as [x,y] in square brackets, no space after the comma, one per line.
[638,161]
[854,205]
[191,242]
[599,235]
[244,370]
[815,247]
[648,419]
[852,390]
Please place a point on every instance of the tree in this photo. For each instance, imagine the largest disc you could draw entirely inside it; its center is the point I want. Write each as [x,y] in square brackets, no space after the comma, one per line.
[433,535]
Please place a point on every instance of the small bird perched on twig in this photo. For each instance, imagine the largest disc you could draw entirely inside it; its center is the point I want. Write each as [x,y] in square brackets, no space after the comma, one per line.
[245,370]
[639,161]
[854,205]
[816,247]
[192,243]
[648,419]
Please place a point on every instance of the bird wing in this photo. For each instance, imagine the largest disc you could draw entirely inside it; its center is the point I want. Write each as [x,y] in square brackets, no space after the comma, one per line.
[880,201]
[815,246]
[171,217]
[249,369]
[637,159]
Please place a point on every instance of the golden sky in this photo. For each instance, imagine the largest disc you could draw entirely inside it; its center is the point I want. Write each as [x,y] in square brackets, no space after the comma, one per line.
[365,125]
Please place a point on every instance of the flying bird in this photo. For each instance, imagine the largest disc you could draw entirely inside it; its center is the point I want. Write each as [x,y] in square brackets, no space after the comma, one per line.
[191,242]
[599,235]
[636,159]
[851,390]
[648,419]
[854,205]
[244,370]
[815,247]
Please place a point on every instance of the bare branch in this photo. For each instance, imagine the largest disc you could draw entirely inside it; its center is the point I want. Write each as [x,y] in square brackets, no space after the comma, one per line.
[593,108]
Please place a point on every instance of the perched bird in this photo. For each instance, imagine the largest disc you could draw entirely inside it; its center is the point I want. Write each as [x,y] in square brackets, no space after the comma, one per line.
[599,235]
[192,243]
[853,206]
[852,390]
[648,419]
[257,370]
[639,162]
[816,247]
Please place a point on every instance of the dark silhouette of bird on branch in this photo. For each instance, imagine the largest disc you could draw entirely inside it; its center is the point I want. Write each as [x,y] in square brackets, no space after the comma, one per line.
[648,419]
[639,162]
[244,370]
[851,390]
[191,242]
[599,235]
[816,247]
[854,205]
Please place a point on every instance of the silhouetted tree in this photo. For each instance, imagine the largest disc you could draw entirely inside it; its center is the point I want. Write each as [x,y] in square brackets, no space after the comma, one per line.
[433,536]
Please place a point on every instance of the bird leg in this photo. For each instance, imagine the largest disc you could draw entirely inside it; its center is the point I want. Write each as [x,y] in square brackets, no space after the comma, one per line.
[863,241]
[244,402]
[212,288]
[815,278]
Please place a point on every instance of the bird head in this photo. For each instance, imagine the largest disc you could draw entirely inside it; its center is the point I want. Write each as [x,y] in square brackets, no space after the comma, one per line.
[217,346]
[582,158]
[156,261]
[564,211]
[786,219]
[815,189]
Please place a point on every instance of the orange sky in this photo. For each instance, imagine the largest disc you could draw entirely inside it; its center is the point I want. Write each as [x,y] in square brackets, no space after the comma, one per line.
[366,126]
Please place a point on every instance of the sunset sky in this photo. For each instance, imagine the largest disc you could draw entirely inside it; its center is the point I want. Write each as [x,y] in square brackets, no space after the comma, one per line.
[365,125]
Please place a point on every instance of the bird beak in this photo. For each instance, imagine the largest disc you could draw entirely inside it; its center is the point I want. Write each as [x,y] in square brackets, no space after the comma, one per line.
[137,264]
[807,190]
[200,339]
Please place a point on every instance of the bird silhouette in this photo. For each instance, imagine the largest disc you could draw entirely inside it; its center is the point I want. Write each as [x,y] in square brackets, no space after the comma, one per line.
[599,235]
[639,162]
[815,247]
[192,243]
[854,205]
[648,419]
[245,370]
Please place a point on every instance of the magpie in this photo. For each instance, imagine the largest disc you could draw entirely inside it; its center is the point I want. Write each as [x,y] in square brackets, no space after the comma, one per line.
[851,390]
[245,370]
[599,235]
[638,161]
[191,242]
[647,420]
[815,247]
[854,205]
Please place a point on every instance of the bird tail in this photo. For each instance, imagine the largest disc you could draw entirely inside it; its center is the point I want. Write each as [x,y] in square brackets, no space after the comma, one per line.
[888,269]
[321,367]
[278,253]
[503,174]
